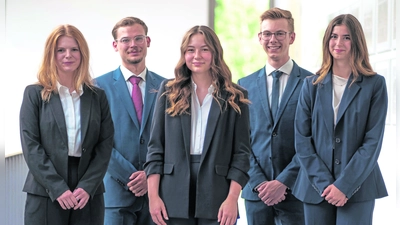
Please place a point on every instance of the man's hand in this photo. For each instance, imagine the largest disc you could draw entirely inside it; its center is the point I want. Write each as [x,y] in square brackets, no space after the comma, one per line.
[138,183]
[272,192]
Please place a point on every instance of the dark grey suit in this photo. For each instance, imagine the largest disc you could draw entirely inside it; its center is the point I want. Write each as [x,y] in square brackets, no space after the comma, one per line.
[45,144]
[225,156]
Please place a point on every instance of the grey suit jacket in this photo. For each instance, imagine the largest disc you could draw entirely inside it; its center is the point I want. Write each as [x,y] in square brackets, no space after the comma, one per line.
[345,155]
[272,143]
[225,156]
[130,139]
[45,143]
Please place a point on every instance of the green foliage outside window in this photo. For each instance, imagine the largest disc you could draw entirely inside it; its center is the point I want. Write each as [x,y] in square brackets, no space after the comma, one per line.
[237,23]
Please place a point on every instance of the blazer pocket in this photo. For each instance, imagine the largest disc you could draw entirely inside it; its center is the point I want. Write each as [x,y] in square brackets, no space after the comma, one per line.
[168,168]
[221,170]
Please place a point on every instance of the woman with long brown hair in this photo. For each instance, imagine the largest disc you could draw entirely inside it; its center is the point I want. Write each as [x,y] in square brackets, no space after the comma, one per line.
[199,147]
[339,127]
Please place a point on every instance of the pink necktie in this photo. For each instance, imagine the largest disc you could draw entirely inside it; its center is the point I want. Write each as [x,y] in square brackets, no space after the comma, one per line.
[137,97]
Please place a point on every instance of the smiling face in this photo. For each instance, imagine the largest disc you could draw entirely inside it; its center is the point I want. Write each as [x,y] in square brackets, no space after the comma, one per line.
[68,56]
[340,43]
[277,50]
[132,53]
[198,56]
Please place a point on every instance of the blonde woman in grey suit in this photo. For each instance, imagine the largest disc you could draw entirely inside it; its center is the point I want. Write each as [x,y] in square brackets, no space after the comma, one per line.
[66,136]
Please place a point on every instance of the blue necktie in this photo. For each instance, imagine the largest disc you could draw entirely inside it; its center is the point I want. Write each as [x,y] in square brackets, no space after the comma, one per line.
[275,92]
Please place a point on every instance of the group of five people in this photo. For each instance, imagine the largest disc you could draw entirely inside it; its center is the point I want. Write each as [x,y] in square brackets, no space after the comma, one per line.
[131,147]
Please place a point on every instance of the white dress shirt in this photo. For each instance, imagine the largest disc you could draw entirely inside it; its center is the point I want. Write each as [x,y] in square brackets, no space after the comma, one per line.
[199,115]
[71,104]
[339,85]
[283,79]
[142,85]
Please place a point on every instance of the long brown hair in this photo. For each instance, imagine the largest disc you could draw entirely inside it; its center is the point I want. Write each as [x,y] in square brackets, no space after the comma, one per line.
[48,75]
[359,58]
[179,89]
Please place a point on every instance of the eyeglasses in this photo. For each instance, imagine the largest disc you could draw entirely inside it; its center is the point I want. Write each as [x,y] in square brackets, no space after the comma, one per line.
[137,40]
[279,35]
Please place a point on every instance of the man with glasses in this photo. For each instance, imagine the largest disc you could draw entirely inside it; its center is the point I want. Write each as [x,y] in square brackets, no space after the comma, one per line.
[273,91]
[131,92]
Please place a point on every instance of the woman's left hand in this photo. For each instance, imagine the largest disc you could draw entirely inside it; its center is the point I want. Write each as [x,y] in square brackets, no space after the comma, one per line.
[334,196]
[82,197]
[228,212]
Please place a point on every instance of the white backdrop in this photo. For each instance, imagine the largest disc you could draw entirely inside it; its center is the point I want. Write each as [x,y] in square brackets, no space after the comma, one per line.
[28,23]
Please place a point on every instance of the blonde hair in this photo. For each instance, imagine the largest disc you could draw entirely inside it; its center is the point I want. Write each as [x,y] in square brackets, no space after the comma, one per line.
[359,58]
[277,13]
[179,89]
[48,75]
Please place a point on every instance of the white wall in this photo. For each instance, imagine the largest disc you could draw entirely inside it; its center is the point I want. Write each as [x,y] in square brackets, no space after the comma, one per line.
[28,23]
[2,56]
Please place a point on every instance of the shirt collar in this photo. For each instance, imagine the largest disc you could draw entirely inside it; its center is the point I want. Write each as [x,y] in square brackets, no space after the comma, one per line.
[127,74]
[210,89]
[285,68]
[60,88]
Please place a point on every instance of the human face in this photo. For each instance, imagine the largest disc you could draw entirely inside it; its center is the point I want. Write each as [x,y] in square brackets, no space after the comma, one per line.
[198,56]
[340,43]
[131,53]
[277,50]
[68,55]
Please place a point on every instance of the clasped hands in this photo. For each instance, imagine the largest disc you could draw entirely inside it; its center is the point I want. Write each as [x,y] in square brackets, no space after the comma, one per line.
[272,192]
[138,183]
[334,196]
[76,200]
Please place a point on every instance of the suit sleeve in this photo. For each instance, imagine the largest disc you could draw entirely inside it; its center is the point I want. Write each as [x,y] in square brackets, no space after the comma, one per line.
[94,174]
[240,163]
[255,172]
[119,167]
[36,157]
[316,170]
[364,160]
[155,155]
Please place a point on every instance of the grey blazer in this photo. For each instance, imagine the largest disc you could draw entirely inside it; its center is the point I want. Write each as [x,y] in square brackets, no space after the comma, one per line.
[345,155]
[225,156]
[45,143]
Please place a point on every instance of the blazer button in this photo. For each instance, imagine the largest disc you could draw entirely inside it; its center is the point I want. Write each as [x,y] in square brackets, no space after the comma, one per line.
[274,134]
[83,149]
[337,161]
[141,141]
[337,140]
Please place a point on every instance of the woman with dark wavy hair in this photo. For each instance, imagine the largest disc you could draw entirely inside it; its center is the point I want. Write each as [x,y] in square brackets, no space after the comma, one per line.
[199,147]
[339,127]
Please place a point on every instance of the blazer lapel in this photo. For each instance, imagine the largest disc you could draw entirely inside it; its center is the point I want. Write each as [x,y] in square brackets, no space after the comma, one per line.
[58,114]
[212,122]
[348,96]
[263,93]
[186,132]
[150,96]
[325,95]
[291,85]
[122,91]
[86,100]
